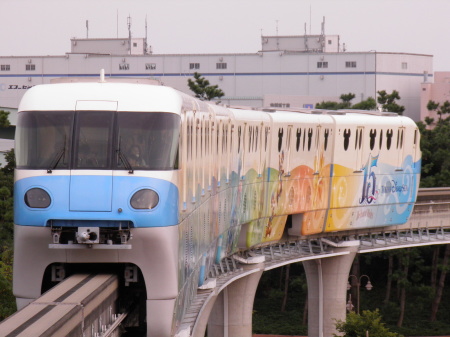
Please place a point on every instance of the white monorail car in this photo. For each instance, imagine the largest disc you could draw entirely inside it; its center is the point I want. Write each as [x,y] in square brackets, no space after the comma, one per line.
[152,183]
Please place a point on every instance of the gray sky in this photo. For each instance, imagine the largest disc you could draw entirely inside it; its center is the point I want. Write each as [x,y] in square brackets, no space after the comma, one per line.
[44,27]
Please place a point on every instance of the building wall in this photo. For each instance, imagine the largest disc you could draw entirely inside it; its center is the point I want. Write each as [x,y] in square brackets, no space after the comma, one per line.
[439,92]
[108,46]
[245,78]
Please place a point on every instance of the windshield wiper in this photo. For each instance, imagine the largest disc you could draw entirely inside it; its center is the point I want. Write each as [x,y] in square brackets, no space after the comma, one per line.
[56,160]
[125,161]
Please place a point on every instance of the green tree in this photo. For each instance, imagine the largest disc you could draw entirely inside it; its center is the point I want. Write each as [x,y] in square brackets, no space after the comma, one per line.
[7,301]
[328,105]
[435,153]
[359,325]
[202,88]
[4,122]
[346,100]
[368,104]
[440,109]
[388,101]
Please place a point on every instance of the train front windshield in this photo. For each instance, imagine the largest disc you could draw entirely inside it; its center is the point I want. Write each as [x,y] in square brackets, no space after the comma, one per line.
[97,140]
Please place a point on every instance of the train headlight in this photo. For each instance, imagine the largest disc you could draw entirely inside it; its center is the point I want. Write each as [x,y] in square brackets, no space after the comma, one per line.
[37,198]
[144,199]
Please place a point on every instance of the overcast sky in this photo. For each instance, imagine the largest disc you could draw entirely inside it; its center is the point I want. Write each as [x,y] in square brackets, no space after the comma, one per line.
[44,27]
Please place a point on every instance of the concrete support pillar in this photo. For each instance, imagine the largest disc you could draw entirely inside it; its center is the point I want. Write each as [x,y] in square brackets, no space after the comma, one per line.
[232,312]
[327,289]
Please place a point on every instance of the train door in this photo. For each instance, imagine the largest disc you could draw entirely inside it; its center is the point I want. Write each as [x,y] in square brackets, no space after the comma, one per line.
[92,152]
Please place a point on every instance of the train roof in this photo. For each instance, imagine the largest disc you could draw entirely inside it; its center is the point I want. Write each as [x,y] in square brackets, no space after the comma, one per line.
[108,96]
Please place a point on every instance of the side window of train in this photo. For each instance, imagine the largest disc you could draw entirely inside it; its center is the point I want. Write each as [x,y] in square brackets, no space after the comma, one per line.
[217,137]
[239,138]
[231,137]
[326,133]
[358,139]
[188,138]
[389,134]
[256,138]
[298,136]
[347,134]
[381,139]
[250,138]
[224,138]
[197,138]
[372,135]
[310,134]
[304,138]
[266,136]
[399,138]
[280,138]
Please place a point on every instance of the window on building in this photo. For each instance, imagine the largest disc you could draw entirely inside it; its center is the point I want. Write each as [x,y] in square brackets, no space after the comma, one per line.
[134,44]
[150,66]
[404,65]
[124,66]
[30,67]
[194,65]
[330,42]
[5,67]
[322,64]
[221,65]
[350,64]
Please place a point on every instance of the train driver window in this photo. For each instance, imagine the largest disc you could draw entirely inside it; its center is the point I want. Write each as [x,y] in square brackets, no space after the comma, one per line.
[93,138]
[148,141]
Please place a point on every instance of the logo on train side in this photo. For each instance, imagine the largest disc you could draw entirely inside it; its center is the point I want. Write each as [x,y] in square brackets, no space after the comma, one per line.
[393,186]
[369,192]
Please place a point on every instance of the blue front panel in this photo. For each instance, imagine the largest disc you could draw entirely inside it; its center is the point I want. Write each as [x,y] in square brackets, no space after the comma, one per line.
[90,193]
[123,188]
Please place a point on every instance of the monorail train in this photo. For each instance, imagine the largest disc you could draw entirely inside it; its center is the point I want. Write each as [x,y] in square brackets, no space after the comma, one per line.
[158,185]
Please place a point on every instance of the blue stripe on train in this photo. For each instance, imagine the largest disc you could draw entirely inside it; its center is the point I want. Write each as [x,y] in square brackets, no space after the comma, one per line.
[123,188]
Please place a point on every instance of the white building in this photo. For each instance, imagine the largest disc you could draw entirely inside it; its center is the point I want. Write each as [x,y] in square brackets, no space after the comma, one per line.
[288,71]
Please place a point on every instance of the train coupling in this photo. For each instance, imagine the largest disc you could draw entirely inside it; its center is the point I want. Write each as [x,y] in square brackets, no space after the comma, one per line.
[88,235]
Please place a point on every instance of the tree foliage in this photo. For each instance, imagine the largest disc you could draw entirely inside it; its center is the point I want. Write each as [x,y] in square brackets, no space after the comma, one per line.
[441,109]
[202,88]
[368,104]
[4,121]
[435,153]
[388,101]
[7,300]
[358,325]
[345,103]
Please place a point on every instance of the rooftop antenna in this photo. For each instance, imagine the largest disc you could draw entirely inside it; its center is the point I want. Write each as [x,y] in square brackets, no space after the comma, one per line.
[129,31]
[323,27]
[306,39]
[146,36]
[322,35]
[309,19]
[87,29]
[278,42]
